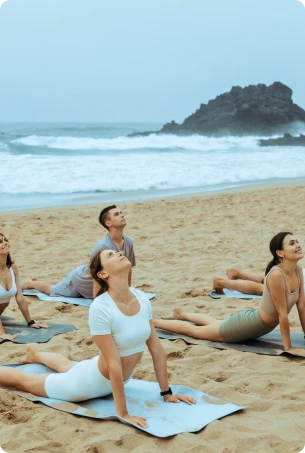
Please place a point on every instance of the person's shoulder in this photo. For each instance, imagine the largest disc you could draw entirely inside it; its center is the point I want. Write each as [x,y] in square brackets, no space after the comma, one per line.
[15,268]
[100,302]
[141,295]
[102,243]
[128,239]
[139,292]
[276,276]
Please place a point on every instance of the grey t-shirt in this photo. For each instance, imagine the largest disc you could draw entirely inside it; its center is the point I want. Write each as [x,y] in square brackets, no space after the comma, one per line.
[107,243]
[80,276]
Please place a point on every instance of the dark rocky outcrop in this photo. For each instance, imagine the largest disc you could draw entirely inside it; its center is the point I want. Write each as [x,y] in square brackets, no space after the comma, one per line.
[253,110]
[287,140]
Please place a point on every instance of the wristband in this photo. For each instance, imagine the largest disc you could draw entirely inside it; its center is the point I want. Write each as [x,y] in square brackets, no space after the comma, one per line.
[167,392]
[30,323]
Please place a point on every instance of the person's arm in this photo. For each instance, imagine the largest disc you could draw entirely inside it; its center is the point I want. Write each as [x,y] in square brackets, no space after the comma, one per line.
[3,335]
[22,303]
[277,289]
[276,285]
[160,366]
[111,357]
[301,302]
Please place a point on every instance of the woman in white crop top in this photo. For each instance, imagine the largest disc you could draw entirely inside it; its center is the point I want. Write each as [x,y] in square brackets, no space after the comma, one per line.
[283,289]
[120,322]
[10,287]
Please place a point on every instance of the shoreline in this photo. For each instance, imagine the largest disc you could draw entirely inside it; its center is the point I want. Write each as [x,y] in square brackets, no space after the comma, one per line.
[69,200]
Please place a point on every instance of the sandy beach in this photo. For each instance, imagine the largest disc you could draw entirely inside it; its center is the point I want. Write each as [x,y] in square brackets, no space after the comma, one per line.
[180,244]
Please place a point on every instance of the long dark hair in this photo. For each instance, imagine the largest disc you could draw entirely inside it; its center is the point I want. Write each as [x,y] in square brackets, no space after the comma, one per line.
[276,244]
[95,267]
[9,260]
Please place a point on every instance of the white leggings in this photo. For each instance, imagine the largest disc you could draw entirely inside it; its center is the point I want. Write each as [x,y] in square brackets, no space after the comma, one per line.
[82,382]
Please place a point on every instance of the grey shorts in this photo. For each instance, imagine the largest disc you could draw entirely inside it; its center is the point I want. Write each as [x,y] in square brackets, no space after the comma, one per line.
[245,325]
[65,287]
[78,283]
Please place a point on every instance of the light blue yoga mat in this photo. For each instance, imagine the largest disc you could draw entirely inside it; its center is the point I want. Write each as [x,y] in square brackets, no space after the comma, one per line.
[67,300]
[144,400]
[233,294]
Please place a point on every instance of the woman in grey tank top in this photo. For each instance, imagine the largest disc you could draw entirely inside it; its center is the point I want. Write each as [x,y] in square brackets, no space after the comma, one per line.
[283,288]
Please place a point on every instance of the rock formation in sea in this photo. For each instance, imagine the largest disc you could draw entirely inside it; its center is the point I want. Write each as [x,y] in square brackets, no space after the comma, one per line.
[287,140]
[253,110]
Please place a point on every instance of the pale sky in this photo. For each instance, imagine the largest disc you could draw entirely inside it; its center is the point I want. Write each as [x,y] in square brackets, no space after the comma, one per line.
[142,60]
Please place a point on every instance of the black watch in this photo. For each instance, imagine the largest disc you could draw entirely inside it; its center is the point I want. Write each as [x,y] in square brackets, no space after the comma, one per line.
[167,392]
[30,323]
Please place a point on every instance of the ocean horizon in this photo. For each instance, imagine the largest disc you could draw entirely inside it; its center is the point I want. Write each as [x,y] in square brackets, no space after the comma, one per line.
[52,164]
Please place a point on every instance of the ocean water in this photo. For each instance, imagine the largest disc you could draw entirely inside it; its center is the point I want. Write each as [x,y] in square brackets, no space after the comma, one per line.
[51,164]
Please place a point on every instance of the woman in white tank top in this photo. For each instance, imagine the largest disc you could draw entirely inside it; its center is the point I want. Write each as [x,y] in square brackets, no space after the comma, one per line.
[10,287]
[120,322]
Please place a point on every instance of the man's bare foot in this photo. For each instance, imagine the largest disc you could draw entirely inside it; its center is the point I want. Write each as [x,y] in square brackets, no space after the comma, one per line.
[218,285]
[30,355]
[232,273]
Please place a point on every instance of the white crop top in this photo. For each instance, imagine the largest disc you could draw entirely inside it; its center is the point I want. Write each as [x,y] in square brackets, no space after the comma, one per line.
[129,332]
[6,295]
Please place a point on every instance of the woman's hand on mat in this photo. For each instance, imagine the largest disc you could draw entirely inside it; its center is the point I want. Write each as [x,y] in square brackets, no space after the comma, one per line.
[140,421]
[7,336]
[296,351]
[177,398]
[39,325]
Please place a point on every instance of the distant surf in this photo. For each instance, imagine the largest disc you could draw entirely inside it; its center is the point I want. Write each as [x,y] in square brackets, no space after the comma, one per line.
[49,160]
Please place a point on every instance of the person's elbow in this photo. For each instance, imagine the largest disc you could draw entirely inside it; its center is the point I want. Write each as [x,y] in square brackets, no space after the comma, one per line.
[21,301]
[283,316]
[114,367]
[158,353]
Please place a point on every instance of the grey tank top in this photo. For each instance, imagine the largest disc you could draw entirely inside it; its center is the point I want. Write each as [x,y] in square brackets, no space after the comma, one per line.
[267,305]
[6,295]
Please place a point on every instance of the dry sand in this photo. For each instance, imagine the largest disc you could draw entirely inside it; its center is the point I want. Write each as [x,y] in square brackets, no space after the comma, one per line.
[180,244]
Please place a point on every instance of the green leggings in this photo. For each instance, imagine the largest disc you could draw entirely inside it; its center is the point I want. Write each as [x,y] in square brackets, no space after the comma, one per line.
[245,325]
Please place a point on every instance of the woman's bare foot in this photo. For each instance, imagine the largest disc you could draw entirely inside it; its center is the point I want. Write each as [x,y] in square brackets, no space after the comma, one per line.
[7,336]
[178,313]
[30,355]
[218,284]
[26,283]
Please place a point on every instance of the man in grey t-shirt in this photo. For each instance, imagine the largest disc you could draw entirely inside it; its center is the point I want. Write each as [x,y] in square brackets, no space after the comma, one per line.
[79,283]
[114,221]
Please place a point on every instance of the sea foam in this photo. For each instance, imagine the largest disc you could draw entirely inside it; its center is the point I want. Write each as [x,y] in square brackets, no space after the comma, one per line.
[151,142]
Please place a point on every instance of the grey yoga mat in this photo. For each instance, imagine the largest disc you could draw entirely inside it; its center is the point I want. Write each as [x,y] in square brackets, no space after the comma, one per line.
[67,300]
[25,334]
[143,399]
[270,344]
